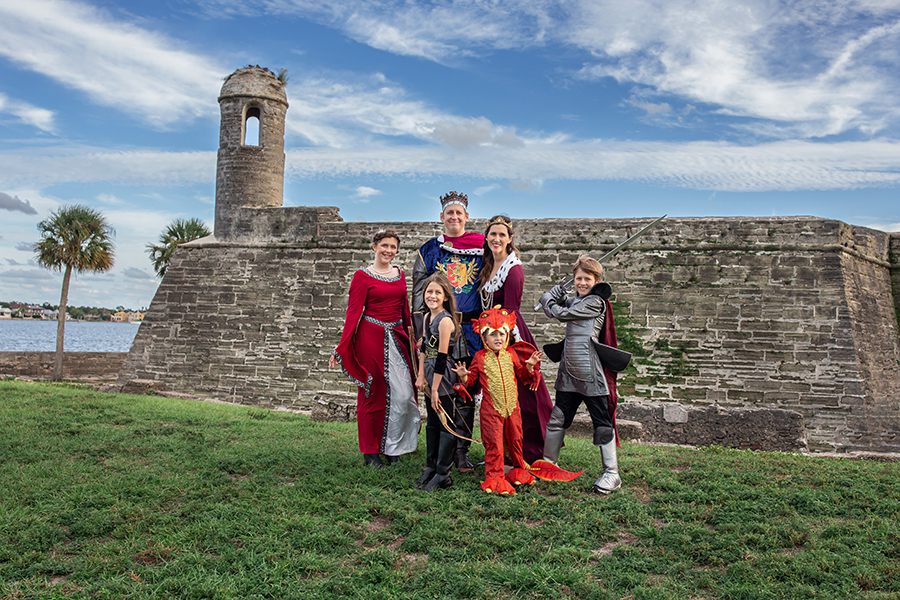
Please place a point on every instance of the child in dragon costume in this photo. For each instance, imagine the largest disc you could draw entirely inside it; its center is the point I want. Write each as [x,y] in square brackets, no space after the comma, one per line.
[495,370]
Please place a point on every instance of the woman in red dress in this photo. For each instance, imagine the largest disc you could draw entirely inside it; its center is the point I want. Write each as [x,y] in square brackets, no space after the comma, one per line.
[374,353]
[501,283]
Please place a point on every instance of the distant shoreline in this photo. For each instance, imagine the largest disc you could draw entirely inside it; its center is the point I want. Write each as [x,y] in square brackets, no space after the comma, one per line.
[70,320]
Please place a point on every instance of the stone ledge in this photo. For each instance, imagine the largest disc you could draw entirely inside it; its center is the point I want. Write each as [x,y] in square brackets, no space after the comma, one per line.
[334,406]
[751,428]
[143,387]
[582,426]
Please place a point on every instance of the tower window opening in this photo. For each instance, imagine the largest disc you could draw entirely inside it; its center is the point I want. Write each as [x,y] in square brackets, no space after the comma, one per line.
[251,127]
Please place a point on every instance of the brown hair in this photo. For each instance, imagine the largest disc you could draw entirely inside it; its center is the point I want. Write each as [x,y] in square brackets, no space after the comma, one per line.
[449,299]
[385,233]
[589,265]
[488,262]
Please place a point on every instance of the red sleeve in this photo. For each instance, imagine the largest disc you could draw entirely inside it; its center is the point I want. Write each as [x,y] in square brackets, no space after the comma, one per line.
[476,372]
[512,288]
[355,306]
[345,351]
[522,375]
[407,316]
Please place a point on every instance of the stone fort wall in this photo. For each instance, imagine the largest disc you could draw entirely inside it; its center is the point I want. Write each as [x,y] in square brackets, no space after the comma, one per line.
[791,313]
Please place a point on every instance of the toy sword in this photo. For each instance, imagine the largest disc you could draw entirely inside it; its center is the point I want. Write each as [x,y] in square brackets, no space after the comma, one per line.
[611,253]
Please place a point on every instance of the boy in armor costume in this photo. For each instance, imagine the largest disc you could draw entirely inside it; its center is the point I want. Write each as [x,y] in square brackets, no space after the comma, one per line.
[582,377]
[458,255]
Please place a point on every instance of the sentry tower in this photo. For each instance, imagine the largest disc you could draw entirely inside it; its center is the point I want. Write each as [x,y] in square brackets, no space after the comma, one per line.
[250,171]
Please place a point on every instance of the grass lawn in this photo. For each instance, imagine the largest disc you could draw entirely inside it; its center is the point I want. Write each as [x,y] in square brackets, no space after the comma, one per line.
[114,496]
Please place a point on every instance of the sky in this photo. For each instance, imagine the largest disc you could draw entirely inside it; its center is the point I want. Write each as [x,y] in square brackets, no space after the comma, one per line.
[534,108]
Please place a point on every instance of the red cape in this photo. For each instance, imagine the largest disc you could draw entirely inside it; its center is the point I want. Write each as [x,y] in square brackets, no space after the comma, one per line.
[466,241]
[608,337]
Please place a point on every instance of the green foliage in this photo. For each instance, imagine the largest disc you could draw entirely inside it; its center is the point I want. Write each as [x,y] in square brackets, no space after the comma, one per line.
[283,76]
[77,237]
[112,496]
[177,232]
[626,333]
[74,238]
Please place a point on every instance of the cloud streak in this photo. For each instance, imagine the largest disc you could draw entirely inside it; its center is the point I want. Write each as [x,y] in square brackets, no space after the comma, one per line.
[812,69]
[86,165]
[27,113]
[789,64]
[783,165]
[344,109]
[114,63]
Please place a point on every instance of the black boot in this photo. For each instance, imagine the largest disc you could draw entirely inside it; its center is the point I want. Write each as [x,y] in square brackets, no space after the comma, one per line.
[392,459]
[464,423]
[432,441]
[462,457]
[441,478]
[373,460]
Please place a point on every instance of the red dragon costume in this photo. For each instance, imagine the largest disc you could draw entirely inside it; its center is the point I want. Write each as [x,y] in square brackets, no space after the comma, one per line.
[496,375]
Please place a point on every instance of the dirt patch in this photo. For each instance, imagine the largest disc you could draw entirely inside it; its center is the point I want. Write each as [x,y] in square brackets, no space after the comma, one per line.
[378,524]
[416,559]
[607,548]
[153,555]
[641,492]
[397,543]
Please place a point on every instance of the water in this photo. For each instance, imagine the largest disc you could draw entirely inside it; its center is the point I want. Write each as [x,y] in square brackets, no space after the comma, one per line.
[23,335]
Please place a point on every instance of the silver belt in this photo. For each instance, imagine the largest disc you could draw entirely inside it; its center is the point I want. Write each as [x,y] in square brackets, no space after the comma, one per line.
[382,323]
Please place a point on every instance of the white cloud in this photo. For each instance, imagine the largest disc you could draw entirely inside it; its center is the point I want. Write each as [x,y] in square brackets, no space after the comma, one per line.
[441,31]
[110,199]
[92,165]
[345,109]
[113,62]
[364,193]
[526,185]
[486,189]
[785,165]
[813,68]
[469,133]
[28,114]
[890,227]
[825,66]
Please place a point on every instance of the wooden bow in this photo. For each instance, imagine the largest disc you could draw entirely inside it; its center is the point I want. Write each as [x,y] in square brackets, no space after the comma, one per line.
[443,417]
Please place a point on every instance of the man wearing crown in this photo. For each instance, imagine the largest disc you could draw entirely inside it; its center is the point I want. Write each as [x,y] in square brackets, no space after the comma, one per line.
[457,254]
[495,371]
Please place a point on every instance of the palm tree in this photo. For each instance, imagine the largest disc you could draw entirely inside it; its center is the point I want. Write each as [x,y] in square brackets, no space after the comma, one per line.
[178,232]
[78,238]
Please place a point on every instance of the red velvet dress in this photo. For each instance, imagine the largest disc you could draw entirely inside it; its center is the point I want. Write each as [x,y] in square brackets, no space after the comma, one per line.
[535,405]
[374,353]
